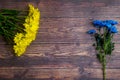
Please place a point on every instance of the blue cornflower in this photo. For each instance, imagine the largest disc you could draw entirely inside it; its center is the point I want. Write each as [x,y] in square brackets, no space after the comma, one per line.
[98,23]
[92,31]
[112,22]
[113,29]
[108,25]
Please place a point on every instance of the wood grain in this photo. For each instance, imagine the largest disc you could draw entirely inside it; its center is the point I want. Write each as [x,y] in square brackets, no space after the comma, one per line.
[38,72]
[62,49]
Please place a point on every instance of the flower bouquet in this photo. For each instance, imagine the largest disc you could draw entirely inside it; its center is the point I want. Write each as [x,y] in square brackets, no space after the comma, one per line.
[103,37]
[19,28]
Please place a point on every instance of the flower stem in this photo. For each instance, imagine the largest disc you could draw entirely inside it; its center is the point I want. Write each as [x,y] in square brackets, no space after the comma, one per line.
[104,67]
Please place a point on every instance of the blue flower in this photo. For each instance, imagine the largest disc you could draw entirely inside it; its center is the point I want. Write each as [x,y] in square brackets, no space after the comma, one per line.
[99,23]
[112,22]
[92,31]
[113,29]
[108,25]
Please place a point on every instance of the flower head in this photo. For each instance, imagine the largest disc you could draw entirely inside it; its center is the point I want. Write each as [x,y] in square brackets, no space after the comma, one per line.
[112,22]
[31,26]
[98,23]
[113,29]
[104,23]
[108,25]
[92,31]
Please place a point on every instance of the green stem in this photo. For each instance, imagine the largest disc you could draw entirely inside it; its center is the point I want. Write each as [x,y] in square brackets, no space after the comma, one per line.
[104,67]
[104,55]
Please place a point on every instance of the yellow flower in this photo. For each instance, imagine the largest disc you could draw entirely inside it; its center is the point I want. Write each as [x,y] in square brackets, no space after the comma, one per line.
[19,50]
[32,9]
[31,26]
[18,37]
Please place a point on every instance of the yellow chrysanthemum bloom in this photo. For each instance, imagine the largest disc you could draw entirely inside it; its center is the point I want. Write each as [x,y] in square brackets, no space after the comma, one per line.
[18,37]
[22,40]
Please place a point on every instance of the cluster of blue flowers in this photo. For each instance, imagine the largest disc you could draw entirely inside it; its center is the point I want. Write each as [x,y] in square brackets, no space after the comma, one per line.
[103,40]
[109,24]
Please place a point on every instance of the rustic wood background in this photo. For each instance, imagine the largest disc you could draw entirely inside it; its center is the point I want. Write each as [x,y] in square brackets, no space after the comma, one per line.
[62,49]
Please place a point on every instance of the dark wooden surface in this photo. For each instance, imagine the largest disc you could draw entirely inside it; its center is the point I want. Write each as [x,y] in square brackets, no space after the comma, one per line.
[62,49]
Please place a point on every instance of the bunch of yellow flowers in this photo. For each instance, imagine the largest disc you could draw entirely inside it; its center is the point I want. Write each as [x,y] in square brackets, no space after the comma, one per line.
[31,25]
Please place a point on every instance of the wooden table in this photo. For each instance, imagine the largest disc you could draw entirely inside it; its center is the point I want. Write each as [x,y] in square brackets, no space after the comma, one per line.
[62,49]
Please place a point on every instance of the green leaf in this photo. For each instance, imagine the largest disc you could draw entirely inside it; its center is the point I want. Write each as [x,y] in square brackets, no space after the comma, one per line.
[110,49]
[108,45]
[10,12]
[100,57]
[99,41]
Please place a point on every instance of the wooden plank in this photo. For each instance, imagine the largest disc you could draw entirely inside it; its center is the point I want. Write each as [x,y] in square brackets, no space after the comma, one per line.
[68,9]
[79,9]
[13,5]
[66,30]
[39,72]
[59,73]
[111,64]
[69,23]
[65,38]
[91,73]
[53,49]
[47,60]
[61,49]
[61,37]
